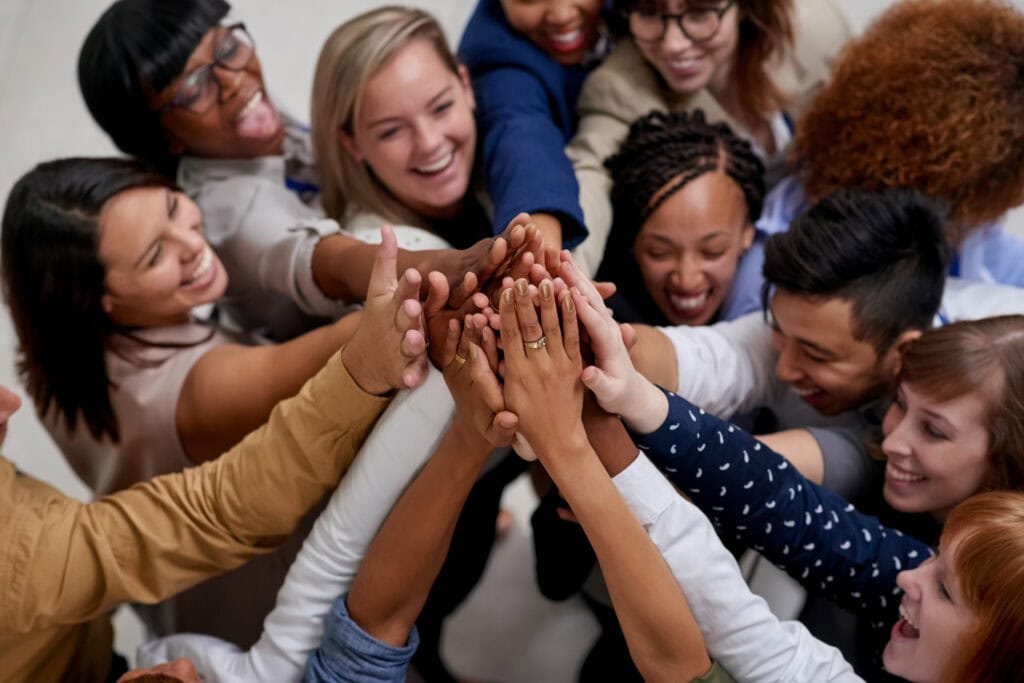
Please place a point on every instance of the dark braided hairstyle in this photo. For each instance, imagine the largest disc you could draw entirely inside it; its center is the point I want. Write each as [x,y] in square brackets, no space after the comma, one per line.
[661,155]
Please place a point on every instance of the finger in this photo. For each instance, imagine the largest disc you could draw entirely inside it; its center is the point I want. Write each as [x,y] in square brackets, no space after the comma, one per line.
[409,285]
[408,315]
[526,314]
[485,381]
[605,289]
[566,515]
[503,428]
[538,274]
[628,334]
[593,322]
[415,372]
[570,329]
[437,293]
[489,343]
[549,316]
[512,340]
[465,340]
[414,344]
[385,264]
[451,341]
[597,381]
[463,289]
[574,277]
[551,258]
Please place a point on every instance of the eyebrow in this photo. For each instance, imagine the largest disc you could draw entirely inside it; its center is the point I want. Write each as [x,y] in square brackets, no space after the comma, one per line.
[391,119]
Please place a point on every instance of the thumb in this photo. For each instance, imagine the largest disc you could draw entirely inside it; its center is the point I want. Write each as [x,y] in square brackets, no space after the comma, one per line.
[595,379]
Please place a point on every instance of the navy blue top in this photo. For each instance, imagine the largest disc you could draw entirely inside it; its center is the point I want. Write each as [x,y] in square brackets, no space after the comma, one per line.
[526,114]
[749,490]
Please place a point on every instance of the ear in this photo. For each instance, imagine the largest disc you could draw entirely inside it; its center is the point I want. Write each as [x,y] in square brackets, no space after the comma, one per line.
[107,302]
[467,86]
[348,142]
[747,238]
[893,359]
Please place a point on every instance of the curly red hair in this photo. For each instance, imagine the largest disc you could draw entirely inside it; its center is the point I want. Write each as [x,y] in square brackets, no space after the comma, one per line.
[931,96]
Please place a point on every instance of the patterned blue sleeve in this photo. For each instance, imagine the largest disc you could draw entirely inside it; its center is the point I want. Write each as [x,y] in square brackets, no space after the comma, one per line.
[752,492]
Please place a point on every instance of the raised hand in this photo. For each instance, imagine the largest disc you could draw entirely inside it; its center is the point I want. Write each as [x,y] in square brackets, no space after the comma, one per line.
[388,350]
[470,363]
[542,367]
[467,270]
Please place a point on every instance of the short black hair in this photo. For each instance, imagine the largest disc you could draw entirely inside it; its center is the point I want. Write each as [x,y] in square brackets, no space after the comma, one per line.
[885,252]
[135,49]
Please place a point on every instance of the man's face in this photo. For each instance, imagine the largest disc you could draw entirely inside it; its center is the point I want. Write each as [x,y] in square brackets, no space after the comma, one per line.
[821,359]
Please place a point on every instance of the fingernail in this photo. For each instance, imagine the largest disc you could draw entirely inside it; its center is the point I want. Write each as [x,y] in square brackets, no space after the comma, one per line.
[521,287]
[545,290]
[569,305]
[506,296]
[472,351]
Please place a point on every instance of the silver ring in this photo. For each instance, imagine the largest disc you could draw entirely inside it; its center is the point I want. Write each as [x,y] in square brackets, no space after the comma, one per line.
[536,344]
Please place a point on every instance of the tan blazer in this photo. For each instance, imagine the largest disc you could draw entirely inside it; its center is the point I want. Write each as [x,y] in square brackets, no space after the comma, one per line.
[625,87]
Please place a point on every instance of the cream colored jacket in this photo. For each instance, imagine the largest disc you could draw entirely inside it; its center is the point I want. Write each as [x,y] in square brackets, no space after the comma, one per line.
[625,87]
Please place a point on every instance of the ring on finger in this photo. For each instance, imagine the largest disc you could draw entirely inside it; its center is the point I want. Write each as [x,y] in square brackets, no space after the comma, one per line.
[537,343]
[459,358]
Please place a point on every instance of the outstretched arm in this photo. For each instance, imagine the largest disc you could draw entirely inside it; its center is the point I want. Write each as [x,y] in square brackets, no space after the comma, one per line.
[543,389]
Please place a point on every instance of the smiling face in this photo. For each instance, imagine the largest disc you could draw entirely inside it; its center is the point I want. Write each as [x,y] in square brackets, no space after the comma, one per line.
[565,30]
[937,451]
[414,128]
[821,358]
[158,266]
[241,123]
[688,248]
[934,624]
[688,66]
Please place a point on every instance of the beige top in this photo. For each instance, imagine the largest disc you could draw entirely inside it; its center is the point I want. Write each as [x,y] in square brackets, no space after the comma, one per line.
[64,564]
[148,374]
[625,87]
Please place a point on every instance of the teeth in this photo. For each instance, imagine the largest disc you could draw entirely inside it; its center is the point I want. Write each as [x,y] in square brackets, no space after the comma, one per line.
[205,263]
[689,303]
[566,38]
[438,165]
[900,474]
[906,616]
[682,64]
[805,392]
[253,102]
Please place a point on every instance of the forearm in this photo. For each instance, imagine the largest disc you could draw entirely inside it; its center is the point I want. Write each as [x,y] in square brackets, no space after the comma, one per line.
[662,635]
[655,357]
[165,535]
[408,551]
[550,228]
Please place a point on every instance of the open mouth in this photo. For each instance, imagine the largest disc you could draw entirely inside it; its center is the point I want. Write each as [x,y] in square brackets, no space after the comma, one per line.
[898,474]
[567,40]
[203,271]
[688,307]
[905,627]
[436,167]
[258,118]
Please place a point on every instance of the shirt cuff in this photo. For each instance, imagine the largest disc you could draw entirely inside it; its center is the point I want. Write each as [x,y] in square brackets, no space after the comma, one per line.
[645,490]
[334,388]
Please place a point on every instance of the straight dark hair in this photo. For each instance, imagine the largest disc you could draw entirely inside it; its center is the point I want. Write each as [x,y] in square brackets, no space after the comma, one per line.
[135,49]
[53,283]
[885,252]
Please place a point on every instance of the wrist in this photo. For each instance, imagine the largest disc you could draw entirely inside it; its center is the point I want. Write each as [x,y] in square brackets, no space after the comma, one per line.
[561,446]
[361,370]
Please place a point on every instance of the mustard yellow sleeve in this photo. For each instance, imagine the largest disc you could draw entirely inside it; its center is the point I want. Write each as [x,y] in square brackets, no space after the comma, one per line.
[716,674]
[63,561]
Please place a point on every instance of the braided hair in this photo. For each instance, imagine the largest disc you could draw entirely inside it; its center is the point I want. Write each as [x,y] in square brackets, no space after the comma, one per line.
[661,155]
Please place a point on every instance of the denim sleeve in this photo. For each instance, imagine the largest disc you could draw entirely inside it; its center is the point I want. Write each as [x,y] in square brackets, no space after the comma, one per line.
[754,494]
[347,654]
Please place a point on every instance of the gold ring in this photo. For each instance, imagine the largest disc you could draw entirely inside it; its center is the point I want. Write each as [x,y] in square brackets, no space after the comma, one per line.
[536,344]
[459,358]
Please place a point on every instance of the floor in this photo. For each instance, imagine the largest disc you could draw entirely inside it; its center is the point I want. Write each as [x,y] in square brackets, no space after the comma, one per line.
[42,117]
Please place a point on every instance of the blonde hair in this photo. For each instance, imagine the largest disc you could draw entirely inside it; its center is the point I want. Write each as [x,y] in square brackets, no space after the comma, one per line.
[351,56]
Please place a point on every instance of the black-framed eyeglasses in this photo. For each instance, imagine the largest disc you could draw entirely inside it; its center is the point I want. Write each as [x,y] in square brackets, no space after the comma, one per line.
[698,24]
[200,89]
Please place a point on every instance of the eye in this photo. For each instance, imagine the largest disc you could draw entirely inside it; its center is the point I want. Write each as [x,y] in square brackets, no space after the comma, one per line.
[155,258]
[658,254]
[172,205]
[444,106]
[934,432]
[388,133]
[713,255]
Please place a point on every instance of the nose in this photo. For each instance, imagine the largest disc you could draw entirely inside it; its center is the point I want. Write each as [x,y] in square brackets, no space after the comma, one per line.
[229,80]
[561,12]
[688,275]
[787,367]
[909,581]
[429,138]
[190,237]
[674,40]
[893,426]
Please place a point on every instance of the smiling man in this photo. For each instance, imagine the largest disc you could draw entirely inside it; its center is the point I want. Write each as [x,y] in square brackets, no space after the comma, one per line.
[855,278]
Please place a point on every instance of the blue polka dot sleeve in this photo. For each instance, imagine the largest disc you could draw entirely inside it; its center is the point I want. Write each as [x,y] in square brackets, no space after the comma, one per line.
[753,493]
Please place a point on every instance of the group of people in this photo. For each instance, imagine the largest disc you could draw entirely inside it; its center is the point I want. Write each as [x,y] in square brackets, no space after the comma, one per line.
[731,276]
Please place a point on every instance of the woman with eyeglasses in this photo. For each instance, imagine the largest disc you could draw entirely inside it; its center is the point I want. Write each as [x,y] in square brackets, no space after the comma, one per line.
[174,86]
[748,63]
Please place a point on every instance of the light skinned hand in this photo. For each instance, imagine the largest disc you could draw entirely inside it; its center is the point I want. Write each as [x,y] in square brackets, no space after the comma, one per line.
[388,349]
[542,385]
